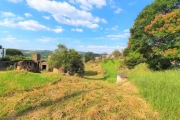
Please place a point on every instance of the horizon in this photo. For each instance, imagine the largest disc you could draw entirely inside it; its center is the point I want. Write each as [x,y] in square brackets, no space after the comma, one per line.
[96,26]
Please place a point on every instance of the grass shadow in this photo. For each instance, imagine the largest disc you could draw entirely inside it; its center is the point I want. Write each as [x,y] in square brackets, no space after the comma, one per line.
[87,78]
[30,108]
[90,73]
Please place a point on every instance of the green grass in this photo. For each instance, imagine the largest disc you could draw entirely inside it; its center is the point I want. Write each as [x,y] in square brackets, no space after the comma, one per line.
[111,69]
[18,81]
[161,89]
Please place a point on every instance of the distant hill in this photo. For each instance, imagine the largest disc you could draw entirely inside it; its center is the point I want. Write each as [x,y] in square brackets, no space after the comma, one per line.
[46,53]
[83,53]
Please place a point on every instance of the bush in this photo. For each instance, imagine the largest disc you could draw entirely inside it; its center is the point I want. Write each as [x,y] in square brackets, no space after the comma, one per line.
[133,59]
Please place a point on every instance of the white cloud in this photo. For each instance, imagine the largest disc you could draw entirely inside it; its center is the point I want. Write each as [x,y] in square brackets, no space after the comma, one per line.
[103,21]
[7,23]
[126,31]
[32,25]
[7,14]
[125,34]
[77,30]
[58,29]
[72,1]
[28,15]
[112,3]
[10,15]
[11,39]
[119,10]
[113,28]
[104,46]
[14,21]
[47,39]
[46,17]
[15,1]
[69,14]
[132,3]
[88,4]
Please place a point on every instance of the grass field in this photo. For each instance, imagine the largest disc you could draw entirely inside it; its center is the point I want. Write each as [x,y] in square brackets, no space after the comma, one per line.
[17,81]
[71,97]
[160,89]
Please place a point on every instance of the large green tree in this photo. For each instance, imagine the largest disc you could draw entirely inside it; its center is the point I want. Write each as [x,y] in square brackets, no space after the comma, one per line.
[70,60]
[116,53]
[89,56]
[142,43]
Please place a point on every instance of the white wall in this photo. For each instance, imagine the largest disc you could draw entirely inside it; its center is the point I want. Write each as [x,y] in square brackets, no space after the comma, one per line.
[1,53]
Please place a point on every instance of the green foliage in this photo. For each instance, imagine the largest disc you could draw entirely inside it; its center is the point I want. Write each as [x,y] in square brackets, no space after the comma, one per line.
[110,66]
[17,81]
[116,53]
[160,89]
[89,56]
[13,55]
[13,52]
[143,43]
[133,59]
[70,60]
[14,58]
[73,62]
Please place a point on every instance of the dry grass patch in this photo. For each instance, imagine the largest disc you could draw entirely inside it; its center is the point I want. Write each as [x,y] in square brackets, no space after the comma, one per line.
[74,98]
[88,98]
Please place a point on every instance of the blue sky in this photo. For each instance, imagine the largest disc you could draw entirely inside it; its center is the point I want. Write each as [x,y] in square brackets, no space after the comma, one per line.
[85,25]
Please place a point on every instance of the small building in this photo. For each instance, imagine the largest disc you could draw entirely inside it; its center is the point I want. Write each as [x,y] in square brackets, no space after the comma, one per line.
[34,65]
[28,65]
[2,52]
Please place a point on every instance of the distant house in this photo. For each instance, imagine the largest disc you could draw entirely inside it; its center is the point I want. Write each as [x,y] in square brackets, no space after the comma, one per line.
[34,65]
[2,52]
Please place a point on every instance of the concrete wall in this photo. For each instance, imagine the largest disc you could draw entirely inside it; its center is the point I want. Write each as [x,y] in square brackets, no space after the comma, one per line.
[2,53]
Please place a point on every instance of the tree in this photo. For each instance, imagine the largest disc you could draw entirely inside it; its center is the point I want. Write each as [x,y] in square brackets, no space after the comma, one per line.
[73,62]
[89,56]
[13,55]
[13,52]
[165,31]
[116,53]
[146,34]
[70,60]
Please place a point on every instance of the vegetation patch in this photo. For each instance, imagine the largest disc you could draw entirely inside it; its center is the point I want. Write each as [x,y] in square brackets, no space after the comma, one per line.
[18,81]
[110,67]
[160,89]
[73,97]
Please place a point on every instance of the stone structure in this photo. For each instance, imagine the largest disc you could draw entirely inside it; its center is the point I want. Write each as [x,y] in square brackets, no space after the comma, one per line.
[36,57]
[34,65]
[28,65]
[121,78]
